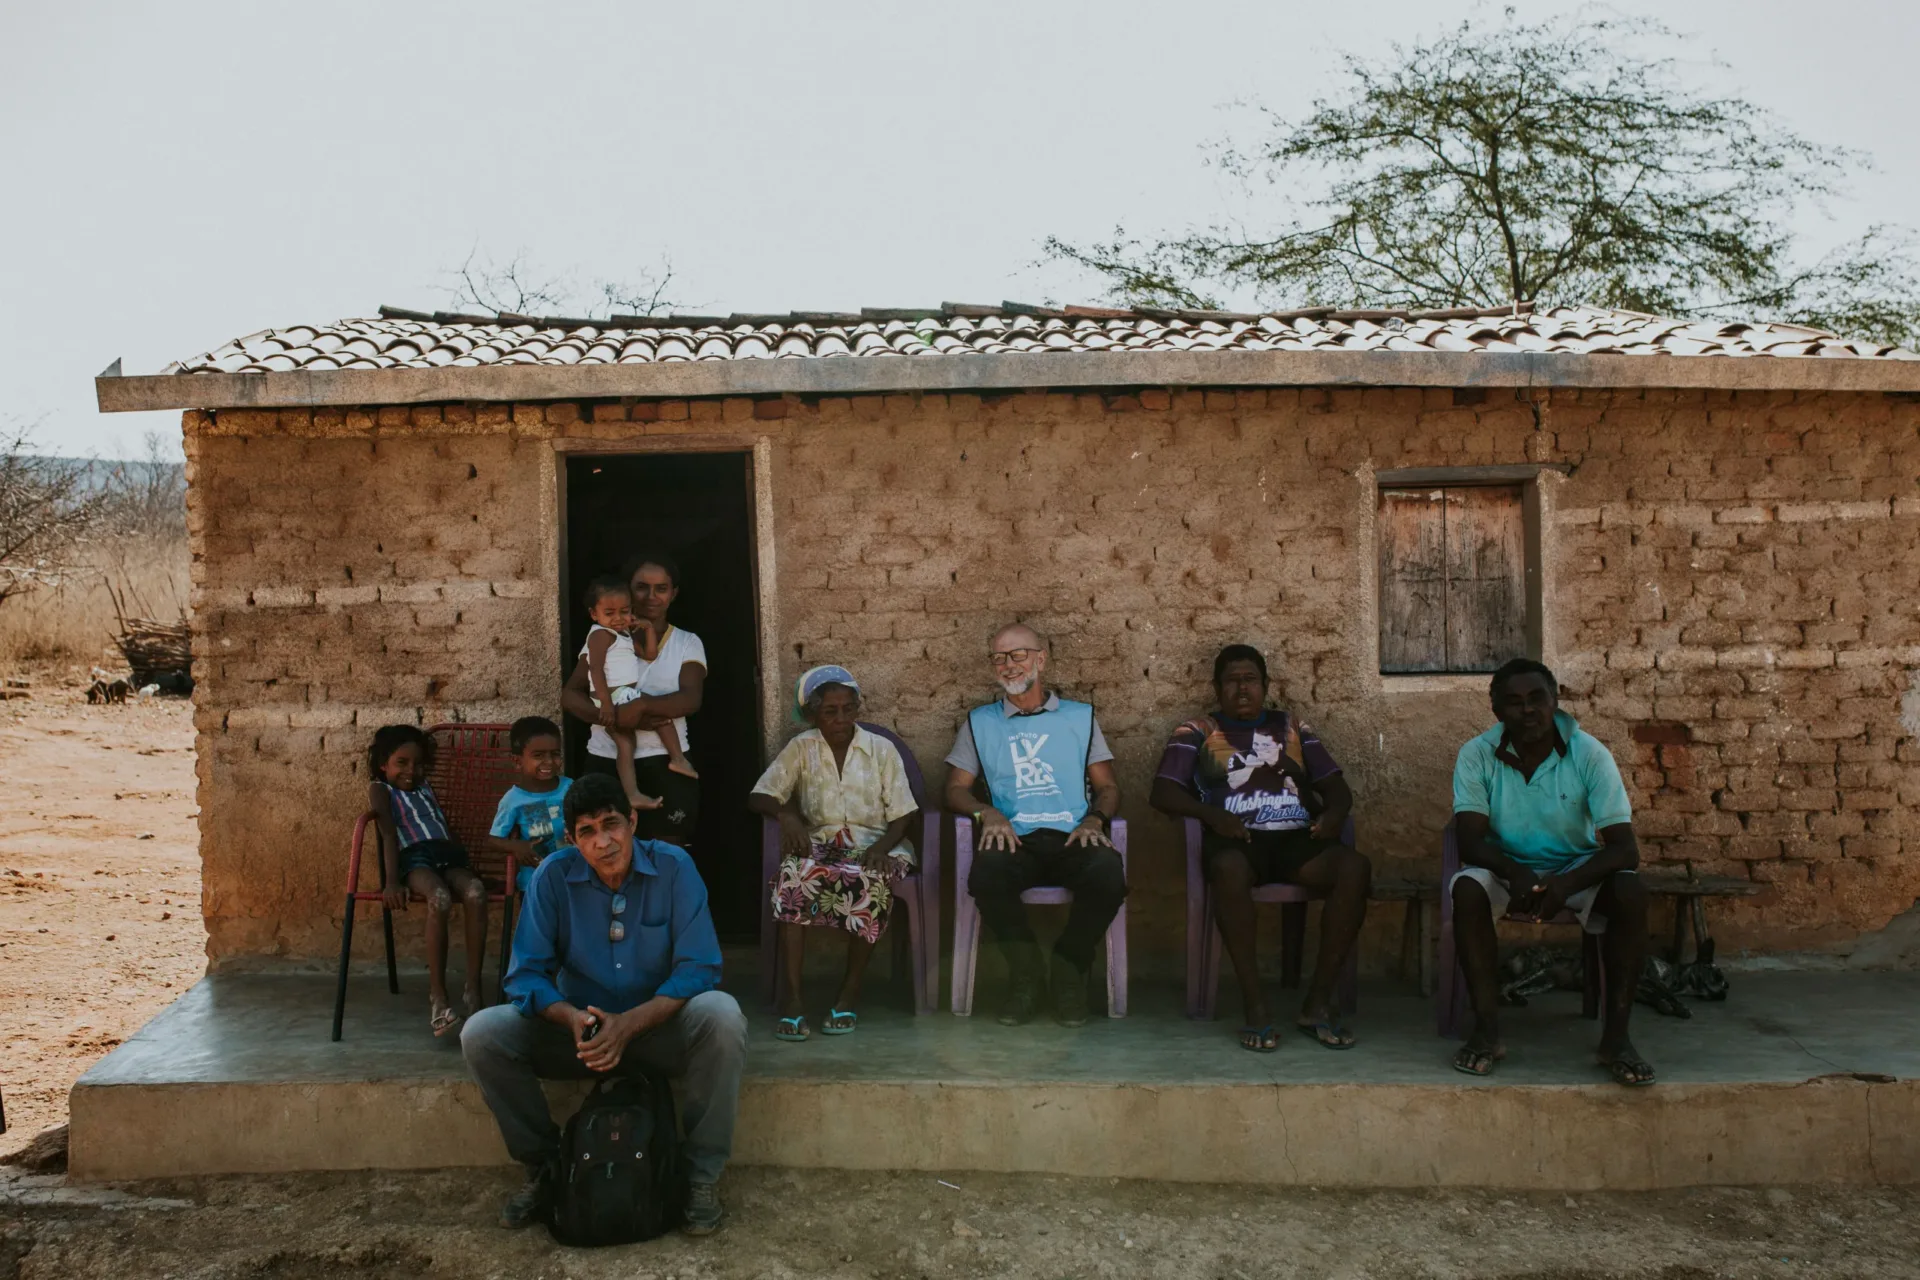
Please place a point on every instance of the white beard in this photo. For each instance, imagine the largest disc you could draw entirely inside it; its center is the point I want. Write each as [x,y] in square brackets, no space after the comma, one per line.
[1017,687]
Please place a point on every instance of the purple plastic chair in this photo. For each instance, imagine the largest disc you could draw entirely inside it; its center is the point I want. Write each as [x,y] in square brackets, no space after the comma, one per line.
[919,893]
[1203,938]
[966,922]
[1451,990]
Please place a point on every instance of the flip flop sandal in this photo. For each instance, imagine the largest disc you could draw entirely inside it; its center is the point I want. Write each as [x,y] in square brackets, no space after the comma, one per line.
[1325,1033]
[444,1021]
[840,1024]
[1631,1070]
[791,1029]
[1475,1062]
[1264,1039]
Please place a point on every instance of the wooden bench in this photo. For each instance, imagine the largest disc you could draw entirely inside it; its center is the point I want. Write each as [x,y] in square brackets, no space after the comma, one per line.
[1690,893]
[1418,927]
[1417,950]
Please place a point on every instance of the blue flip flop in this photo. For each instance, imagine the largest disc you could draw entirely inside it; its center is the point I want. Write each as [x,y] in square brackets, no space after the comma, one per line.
[793,1030]
[847,1023]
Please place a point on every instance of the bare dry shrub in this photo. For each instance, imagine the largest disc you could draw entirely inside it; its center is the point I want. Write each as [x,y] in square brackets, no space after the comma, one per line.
[71,620]
[75,532]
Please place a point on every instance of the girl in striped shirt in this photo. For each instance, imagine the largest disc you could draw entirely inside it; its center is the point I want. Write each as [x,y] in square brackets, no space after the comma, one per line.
[419,854]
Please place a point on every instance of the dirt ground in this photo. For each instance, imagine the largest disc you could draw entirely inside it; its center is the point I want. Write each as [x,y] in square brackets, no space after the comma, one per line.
[814,1223]
[99,886]
[99,928]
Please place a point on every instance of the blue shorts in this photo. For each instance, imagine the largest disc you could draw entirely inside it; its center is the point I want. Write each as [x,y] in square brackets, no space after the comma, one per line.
[434,855]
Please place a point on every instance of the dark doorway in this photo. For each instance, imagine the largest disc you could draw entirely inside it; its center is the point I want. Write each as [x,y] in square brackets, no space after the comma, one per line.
[698,508]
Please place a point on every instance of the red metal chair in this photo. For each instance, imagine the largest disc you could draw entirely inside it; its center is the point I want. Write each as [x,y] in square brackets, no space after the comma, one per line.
[1203,938]
[1451,996]
[919,893]
[966,922]
[472,769]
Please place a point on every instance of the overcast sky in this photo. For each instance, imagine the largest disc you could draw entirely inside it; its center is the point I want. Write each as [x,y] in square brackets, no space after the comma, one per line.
[178,175]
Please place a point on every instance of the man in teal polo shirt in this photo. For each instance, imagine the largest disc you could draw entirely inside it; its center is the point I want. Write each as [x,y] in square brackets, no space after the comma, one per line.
[1544,825]
[1051,795]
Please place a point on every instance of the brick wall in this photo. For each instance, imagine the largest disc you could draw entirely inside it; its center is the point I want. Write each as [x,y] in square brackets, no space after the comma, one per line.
[341,584]
[1730,600]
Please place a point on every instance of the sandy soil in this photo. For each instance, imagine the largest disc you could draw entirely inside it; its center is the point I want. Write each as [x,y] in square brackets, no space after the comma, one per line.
[786,1224]
[99,887]
[99,928]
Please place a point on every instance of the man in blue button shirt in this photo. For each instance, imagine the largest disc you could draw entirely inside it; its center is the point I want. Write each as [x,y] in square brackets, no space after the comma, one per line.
[615,968]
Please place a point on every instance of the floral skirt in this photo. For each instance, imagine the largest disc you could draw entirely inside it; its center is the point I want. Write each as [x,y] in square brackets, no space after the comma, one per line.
[828,888]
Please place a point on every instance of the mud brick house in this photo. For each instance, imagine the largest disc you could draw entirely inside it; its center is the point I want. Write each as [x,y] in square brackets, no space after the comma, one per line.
[1711,532]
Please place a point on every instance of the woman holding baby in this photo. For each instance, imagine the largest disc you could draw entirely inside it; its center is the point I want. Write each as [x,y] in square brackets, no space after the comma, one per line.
[669,689]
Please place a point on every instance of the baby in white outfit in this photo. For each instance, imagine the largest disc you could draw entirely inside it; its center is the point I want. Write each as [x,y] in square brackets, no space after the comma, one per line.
[613,675]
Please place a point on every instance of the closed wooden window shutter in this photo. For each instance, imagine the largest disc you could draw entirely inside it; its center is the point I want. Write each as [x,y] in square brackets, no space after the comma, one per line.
[1452,579]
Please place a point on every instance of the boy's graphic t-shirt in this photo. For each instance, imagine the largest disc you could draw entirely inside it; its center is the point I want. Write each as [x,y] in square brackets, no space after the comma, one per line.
[538,817]
[1234,764]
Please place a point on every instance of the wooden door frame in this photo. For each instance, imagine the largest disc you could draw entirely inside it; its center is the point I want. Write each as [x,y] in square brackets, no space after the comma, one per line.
[758,452]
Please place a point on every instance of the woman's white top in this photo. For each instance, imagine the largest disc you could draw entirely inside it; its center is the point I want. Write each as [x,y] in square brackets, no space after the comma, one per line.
[661,676]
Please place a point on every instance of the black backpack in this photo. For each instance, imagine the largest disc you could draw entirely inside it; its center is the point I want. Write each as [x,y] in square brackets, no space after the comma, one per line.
[618,1177]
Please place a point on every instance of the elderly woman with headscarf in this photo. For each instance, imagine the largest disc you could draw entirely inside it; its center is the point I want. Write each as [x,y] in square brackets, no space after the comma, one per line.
[841,797]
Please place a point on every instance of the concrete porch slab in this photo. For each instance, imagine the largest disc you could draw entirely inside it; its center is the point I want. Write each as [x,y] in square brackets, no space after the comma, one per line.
[238,1076]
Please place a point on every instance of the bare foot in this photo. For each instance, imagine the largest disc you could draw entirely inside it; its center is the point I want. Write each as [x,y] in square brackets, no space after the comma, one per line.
[472,998]
[682,768]
[639,801]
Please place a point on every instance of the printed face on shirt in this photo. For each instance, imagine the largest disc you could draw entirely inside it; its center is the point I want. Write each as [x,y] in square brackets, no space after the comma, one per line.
[613,610]
[1258,805]
[405,768]
[540,761]
[1240,772]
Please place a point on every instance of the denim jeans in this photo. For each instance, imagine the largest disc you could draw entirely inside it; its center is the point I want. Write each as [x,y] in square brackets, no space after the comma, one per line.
[703,1046]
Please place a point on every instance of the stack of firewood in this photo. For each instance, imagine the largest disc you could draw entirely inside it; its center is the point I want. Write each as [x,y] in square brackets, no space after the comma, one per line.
[159,652]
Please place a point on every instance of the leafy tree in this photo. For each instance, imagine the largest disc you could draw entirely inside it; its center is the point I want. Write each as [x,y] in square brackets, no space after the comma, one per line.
[1538,162]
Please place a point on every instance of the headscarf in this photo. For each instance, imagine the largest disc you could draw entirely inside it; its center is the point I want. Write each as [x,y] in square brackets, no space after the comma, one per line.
[811,681]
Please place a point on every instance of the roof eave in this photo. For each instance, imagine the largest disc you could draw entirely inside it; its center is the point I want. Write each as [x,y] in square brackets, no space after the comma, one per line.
[867,375]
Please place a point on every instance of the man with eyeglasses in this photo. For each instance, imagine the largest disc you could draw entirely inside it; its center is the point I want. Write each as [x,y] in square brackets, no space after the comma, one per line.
[1051,795]
[616,968]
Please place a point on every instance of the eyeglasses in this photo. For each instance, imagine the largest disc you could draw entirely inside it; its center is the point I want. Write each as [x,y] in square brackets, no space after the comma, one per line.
[617,929]
[1010,657]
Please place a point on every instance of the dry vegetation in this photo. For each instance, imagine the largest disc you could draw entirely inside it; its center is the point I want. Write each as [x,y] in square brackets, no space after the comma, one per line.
[73,535]
[72,623]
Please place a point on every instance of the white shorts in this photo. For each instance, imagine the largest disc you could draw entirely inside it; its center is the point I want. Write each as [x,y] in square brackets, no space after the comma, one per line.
[622,694]
[1581,903]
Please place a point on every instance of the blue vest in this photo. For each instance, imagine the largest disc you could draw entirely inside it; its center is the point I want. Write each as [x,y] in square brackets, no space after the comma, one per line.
[1036,766]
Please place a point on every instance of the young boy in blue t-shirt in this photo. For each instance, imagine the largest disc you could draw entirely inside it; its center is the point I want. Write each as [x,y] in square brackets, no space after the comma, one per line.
[530,823]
